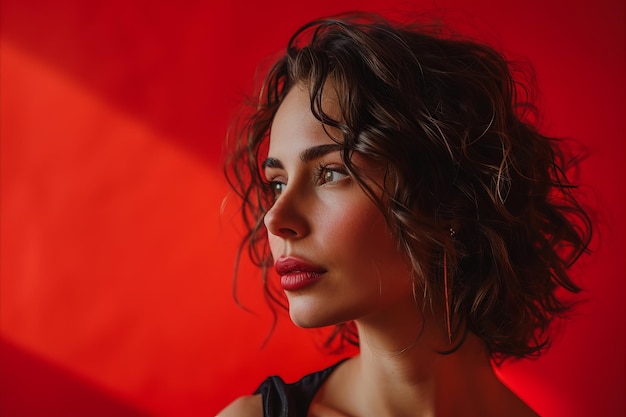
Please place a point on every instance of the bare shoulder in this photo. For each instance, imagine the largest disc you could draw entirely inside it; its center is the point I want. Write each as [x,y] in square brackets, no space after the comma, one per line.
[248,406]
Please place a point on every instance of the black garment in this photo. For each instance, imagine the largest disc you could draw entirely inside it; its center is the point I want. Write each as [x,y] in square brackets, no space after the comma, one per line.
[291,400]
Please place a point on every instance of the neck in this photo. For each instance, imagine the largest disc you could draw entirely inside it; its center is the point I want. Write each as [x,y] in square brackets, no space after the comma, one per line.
[401,367]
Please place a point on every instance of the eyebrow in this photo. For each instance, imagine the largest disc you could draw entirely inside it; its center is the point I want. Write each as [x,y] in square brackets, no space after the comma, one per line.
[307,155]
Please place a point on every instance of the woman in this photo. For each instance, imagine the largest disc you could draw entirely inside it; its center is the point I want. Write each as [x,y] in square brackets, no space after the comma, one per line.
[393,178]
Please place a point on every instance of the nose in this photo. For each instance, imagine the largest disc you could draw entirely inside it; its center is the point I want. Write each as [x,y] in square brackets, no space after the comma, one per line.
[287,217]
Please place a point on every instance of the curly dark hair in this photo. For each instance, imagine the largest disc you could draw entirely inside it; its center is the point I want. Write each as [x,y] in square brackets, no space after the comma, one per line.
[455,126]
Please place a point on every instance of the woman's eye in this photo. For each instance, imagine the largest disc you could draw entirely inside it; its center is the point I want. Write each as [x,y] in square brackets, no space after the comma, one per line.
[277,188]
[329,176]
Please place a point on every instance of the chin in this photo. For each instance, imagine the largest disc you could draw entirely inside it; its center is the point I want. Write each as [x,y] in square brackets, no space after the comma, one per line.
[309,321]
[308,318]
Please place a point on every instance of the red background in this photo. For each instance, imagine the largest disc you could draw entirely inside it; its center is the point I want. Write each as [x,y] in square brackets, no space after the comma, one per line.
[116,255]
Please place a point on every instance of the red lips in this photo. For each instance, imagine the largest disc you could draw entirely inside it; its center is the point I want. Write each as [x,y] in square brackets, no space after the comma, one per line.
[296,274]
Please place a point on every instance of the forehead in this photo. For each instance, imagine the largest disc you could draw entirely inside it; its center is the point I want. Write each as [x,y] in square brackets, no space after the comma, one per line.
[295,126]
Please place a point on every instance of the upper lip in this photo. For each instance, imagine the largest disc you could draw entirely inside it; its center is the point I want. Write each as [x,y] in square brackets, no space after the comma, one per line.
[290,264]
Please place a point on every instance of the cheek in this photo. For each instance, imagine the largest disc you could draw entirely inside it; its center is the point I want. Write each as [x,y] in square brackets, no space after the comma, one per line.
[370,241]
[364,244]
[365,227]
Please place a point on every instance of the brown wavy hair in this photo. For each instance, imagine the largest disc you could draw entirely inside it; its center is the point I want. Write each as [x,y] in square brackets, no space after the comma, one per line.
[455,126]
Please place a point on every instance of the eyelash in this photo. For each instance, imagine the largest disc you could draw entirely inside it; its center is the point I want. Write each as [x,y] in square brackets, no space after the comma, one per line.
[322,167]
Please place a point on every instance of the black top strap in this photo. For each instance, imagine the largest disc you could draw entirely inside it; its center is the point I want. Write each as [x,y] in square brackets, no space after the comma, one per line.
[291,400]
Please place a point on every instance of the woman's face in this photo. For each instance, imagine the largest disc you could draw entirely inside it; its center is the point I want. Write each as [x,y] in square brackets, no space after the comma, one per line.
[337,259]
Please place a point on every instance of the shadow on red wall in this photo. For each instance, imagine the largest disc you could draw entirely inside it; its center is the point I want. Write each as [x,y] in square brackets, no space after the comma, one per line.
[32,386]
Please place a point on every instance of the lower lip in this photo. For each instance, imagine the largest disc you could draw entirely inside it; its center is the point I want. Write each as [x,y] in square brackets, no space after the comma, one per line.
[298,280]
